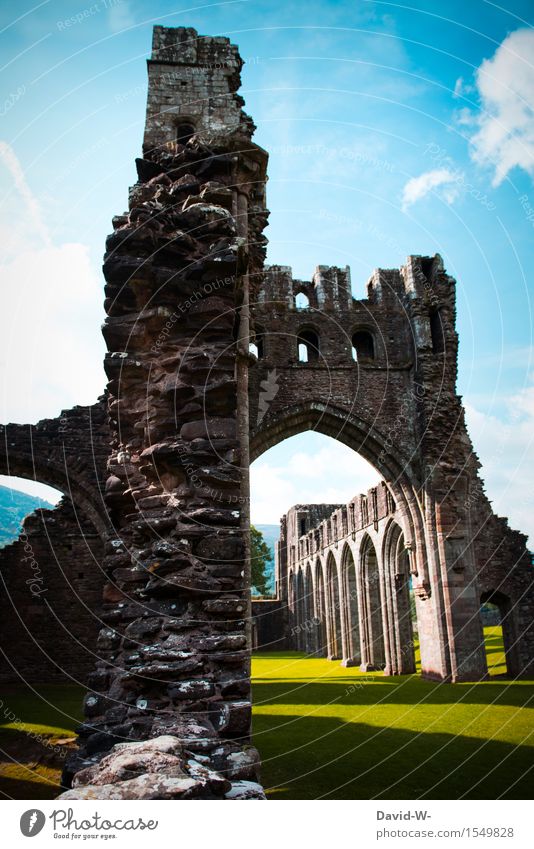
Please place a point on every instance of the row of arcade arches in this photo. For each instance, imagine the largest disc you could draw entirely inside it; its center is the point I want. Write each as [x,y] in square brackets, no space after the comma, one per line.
[355,605]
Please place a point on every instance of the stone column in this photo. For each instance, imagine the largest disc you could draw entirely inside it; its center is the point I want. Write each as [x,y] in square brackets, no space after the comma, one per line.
[175,650]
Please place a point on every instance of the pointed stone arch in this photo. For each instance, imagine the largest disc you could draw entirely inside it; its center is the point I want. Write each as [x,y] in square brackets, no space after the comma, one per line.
[309,612]
[366,439]
[320,609]
[371,622]
[508,625]
[68,453]
[398,628]
[350,608]
[333,608]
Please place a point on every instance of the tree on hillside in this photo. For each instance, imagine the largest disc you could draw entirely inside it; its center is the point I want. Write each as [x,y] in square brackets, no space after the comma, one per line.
[260,557]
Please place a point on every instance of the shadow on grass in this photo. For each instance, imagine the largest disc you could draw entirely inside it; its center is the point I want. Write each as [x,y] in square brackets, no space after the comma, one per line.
[296,678]
[56,705]
[403,690]
[314,757]
[29,768]
[19,788]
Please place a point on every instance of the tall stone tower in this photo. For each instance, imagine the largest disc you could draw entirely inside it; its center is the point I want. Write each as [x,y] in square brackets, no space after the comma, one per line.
[174,650]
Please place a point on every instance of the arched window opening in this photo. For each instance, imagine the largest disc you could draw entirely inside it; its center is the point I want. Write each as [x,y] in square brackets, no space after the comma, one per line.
[184,131]
[427,266]
[333,608]
[308,346]
[372,628]
[364,510]
[437,332]
[310,641]
[302,302]
[363,346]
[301,612]
[320,611]
[496,613]
[400,619]
[350,610]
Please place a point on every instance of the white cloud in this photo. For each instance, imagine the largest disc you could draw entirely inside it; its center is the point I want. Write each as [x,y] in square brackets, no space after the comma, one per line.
[51,346]
[462,89]
[331,474]
[444,179]
[505,127]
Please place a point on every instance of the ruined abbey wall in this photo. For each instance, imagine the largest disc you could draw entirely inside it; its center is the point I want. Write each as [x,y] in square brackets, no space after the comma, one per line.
[210,363]
[379,374]
[51,592]
[349,579]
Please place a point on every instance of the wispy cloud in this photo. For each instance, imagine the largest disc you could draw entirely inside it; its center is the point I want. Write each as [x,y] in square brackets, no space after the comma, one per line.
[463,89]
[12,164]
[441,179]
[51,347]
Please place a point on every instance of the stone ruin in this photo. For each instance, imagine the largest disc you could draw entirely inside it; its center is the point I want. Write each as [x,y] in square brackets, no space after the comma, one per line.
[210,362]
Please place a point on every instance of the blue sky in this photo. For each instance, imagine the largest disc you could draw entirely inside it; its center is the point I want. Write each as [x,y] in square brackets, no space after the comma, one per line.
[392,129]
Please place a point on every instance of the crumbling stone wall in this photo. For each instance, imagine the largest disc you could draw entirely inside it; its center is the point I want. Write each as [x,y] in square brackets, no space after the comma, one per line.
[175,655]
[51,578]
[270,626]
[51,595]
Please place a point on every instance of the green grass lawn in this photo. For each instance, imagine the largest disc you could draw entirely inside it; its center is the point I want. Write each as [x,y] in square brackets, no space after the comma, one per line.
[324,731]
[328,732]
[29,768]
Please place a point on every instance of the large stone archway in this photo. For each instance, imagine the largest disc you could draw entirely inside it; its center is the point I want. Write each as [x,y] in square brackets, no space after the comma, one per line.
[69,453]
[381,384]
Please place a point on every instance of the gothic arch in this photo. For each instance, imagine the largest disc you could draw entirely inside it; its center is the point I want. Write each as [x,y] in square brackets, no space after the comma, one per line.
[68,453]
[398,629]
[309,621]
[320,608]
[371,623]
[509,631]
[350,607]
[367,440]
[333,610]
[301,611]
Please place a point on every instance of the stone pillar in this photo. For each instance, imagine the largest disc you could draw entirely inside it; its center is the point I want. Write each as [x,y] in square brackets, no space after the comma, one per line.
[175,650]
[459,581]
[455,650]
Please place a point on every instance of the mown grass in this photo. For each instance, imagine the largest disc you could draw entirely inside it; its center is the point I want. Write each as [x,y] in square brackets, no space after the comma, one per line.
[30,768]
[328,732]
[324,731]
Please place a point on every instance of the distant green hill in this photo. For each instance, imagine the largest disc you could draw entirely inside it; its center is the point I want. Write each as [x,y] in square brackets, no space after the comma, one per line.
[14,507]
[271,534]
